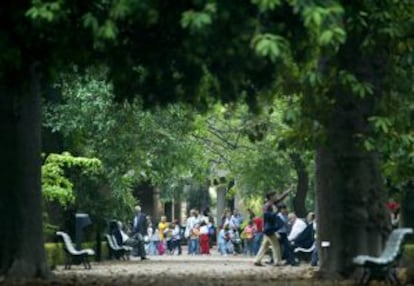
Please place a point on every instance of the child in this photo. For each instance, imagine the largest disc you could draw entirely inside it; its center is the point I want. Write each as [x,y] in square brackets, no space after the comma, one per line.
[248,234]
[154,240]
[224,241]
[168,235]
[176,237]
[204,239]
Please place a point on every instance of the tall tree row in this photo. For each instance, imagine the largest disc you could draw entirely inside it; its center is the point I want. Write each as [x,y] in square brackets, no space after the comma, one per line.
[341,56]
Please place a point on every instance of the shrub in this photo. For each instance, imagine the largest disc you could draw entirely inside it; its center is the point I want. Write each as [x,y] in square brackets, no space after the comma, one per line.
[55,254]
[408,255]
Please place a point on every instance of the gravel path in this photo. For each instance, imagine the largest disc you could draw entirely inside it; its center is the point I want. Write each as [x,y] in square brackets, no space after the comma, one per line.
[183,270]
[189,270]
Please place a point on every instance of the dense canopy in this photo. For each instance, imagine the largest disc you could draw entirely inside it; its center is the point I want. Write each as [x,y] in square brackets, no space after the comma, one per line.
[347,64]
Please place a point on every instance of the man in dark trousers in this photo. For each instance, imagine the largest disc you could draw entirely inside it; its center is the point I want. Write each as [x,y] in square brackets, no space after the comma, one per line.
[139,230]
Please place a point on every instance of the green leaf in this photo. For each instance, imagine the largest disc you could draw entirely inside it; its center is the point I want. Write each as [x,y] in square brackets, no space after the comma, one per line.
[326,37]
[369,144]
[90,21]
[269,45]
[195,21]
[266,5]
[108,30]
[381,124]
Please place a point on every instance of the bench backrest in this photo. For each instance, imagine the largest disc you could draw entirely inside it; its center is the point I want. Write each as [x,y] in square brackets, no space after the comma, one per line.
[111,242]
[67,241]
[393,247]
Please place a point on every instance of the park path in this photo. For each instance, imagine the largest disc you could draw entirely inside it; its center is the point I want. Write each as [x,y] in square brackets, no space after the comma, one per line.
[188,270]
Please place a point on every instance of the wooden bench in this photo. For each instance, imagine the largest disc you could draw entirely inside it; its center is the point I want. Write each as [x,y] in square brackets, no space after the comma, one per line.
[71,252]
[384,266]
[304,253]
[117,251]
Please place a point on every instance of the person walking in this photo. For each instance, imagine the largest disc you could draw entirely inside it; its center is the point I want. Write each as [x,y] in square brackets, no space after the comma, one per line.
[139,230]
[271,224]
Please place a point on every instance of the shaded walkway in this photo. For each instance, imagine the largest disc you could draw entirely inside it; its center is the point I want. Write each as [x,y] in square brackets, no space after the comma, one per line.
[188,270]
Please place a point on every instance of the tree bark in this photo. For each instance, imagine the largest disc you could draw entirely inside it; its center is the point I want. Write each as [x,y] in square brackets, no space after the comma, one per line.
[302,187]
[221,202]
[158,206]
[407,206]
[350,192]
[22,253]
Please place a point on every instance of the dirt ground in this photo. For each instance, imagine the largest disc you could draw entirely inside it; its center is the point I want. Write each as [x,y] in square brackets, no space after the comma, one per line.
[184,270]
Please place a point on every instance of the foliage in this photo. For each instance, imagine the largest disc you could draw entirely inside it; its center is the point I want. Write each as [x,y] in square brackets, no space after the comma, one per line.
[146,147]
[171,156]
[336,55]
[250,148]
[390,132]
[55,185]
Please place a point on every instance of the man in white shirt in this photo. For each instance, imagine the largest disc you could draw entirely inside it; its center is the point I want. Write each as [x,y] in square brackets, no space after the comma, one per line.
[297,226]
[192,222]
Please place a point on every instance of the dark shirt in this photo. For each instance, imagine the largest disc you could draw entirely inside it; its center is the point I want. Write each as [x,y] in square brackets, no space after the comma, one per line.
[141,225]
[306,238]
[272,222]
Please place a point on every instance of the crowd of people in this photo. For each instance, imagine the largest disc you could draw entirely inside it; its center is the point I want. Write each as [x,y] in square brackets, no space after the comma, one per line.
[283,232]
[276,232]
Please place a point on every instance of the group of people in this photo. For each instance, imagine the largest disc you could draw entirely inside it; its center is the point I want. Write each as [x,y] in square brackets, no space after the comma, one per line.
[145,239]
[234,234]
[276,232]
[200,232]
[136,237]
[283,232]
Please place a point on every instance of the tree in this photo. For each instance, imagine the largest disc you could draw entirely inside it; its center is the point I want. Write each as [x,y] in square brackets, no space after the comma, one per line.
[59,174]
[335,55]
[146,147]
[359,84]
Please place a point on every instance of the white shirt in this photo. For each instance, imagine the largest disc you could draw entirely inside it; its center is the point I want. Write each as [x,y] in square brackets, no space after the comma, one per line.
[298,226]
[192,221]
[125,237]
[204,229]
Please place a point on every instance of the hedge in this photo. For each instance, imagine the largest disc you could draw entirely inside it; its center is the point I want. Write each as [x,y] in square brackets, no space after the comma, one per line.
[55,254]
[408,256]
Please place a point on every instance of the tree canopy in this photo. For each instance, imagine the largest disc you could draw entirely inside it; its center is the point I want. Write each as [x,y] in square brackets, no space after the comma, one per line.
[350,63]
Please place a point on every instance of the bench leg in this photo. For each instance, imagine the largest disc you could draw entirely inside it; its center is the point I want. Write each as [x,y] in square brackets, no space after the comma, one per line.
[392,277]
[85,262]
[68,261]
[365,278]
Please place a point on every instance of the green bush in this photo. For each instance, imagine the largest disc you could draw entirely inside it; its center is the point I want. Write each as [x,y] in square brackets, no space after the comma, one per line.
[408,255]
[55,254]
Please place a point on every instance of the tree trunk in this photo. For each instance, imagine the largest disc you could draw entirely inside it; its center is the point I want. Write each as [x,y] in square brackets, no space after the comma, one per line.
[407,206]
[350,193]
[22,253]
[158,210]
[221,202]
[303,184]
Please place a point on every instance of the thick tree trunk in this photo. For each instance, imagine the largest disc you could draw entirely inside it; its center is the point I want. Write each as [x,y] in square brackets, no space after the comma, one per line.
[302,187]
[407,206]
[350,193]
[22,253]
